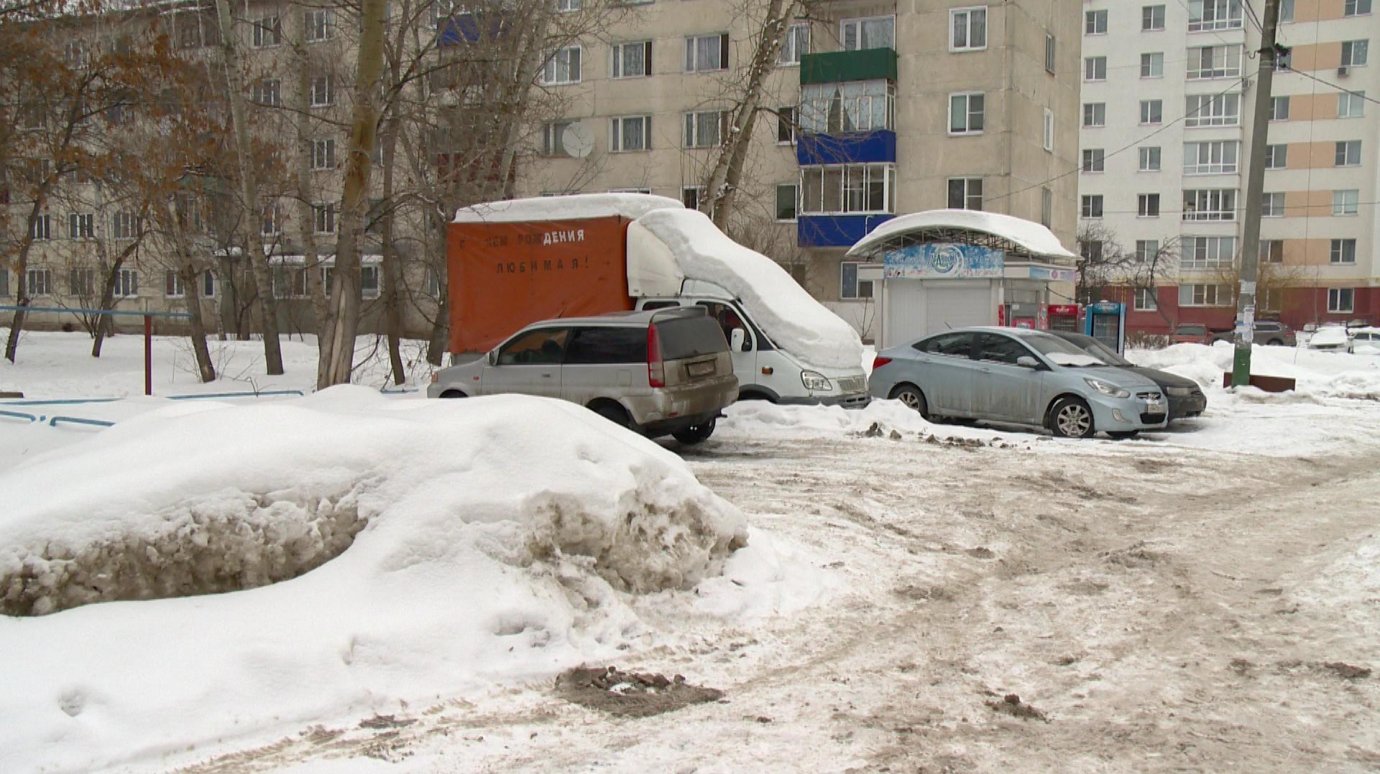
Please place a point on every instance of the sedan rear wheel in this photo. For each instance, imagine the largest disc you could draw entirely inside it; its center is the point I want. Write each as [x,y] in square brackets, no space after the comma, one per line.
[1071,418]
[911,397]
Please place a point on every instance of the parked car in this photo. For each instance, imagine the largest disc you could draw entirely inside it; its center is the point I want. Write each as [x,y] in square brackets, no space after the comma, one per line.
[1186,398]
[1272,333]
[1017,376]
[662,372]
[1329,338]
[1190,333]
[1364,341]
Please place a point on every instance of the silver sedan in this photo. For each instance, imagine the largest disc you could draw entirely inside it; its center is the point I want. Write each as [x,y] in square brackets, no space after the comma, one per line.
[1017,376]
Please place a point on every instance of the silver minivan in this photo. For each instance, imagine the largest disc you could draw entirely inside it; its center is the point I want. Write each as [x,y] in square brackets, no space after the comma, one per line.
[663,372]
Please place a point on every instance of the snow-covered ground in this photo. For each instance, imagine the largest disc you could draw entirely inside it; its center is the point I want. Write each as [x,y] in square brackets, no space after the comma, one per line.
[867,588]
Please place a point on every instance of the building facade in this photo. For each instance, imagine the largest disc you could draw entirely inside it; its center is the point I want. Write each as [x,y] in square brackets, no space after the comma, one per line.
[1166,121]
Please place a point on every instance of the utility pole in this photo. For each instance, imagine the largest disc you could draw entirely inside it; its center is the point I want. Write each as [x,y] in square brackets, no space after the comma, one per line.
[1255,189]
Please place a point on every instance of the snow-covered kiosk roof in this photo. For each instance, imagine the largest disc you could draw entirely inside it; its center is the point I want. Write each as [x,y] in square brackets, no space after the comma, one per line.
[1019,238]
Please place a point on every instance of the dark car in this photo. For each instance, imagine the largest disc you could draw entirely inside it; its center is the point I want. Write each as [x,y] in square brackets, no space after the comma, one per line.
[1271,333]
[1186,398]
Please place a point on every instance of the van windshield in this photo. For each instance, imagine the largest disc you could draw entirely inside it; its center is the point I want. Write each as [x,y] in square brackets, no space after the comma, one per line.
[683,337]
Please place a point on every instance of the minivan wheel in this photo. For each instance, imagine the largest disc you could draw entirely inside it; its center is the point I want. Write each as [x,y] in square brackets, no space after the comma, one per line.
[1275,343]
[1071,418]
[453,394]
[911,397]
[613,413]
[695,433]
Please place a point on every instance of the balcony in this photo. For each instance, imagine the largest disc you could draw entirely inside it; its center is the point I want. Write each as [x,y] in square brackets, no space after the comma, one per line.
[838,66]
[837,230]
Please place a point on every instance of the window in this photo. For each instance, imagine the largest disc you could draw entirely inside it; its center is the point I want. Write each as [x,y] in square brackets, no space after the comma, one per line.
[1286,11]
[607,346]
[553,137]
[630,133]
[1217,157]
[1351,104]
[965,113]
[786,195]
[1049,53]
[1094,159]
[622,190]
[705,128]
[1146,300]
[632,60]
[124,225]
[1212,110]
[1205,295]
[323,218]
[691,196]
[369,281]
[268,31]
[1094,114]
[848,188]
[323,153]
[1151,18]
[1046,206]
[852,106]
[706,53]
[1354,53]
[566,6]
[322,91]
[1206,252]
[1214,62]
[1340,300]
[317,25]
[1279,108]
[289,282]
[1272,205]
[1095,23]
[1272,250]
[126,283]
[1148,205]
[1152,65]
[968,29]
[785,125]
[1346,202]
[273,221]
[266,92]
[965,193]
[38,282]
[1151,111]
[1149,159]
[1276,156]
[172,284]
[1210,204]
[1091,206]
[41,227]
[562,67]
[850,287]
[1343,251]
[1095,68]
[874,32]
[1049,130]
[1348,153]
[1213,15]
[796,44]
[1147,249]
[81,225]
[81,282]
[1355,7]
[1092,250]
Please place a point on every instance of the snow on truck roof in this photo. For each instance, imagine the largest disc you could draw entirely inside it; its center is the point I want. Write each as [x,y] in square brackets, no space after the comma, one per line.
[1028,236]
[628,205]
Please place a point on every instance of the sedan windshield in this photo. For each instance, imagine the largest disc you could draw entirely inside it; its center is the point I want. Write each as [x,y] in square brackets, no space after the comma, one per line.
[1060,352]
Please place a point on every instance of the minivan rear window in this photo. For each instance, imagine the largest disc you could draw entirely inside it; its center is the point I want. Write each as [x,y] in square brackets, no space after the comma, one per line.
[683,337]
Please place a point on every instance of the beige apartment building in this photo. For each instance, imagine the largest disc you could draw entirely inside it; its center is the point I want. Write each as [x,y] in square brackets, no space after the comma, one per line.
[874,109]
[1168,89]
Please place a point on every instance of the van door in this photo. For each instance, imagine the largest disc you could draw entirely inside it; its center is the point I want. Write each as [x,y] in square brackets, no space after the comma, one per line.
[605,362]
[745,356]
[529,363]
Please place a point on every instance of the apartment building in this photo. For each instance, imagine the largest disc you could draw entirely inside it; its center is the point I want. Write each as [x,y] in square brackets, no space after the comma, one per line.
[1168,89]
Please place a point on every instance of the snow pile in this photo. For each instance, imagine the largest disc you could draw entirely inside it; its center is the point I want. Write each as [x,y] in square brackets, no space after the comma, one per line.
[792,317]
[499,539]
[1316,374]
[604,205]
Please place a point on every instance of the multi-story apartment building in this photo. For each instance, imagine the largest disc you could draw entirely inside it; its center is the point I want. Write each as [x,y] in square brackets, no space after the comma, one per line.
[873,108]
[1168,89]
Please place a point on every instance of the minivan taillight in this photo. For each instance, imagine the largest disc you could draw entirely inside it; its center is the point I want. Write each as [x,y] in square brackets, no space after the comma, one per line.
[878,362]
[656,369]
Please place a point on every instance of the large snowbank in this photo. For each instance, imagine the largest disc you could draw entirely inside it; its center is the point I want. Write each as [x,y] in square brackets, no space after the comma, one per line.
[604,205]
[499,539]
[792,317]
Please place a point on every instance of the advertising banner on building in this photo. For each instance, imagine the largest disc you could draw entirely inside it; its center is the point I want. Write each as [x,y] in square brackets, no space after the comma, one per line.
[943,261]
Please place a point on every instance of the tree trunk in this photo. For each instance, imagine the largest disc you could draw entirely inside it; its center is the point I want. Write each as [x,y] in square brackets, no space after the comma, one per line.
[105,324]
[21,270]
[311,257]
[191,288]
[336,357]
[263,281]
[439,342]
[392,268]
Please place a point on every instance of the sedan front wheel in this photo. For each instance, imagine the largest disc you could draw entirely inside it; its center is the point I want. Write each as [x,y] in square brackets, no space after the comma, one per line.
[1071,418]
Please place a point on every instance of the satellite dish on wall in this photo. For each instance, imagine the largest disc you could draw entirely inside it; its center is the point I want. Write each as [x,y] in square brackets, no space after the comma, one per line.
[577,140]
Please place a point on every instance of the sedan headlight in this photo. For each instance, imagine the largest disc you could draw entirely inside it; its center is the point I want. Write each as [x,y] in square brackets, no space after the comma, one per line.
[1179,391]
[813,380]
[1106,388]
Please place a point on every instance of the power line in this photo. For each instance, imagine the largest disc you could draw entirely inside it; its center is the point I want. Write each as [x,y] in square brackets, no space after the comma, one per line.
[1338,87]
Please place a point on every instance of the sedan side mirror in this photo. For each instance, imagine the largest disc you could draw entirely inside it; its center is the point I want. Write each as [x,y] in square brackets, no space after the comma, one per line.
[492,357]
[737,340]
[1026,361]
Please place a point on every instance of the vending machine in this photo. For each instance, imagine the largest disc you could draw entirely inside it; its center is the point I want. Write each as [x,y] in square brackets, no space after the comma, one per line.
[1106,322]
[1063,317]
